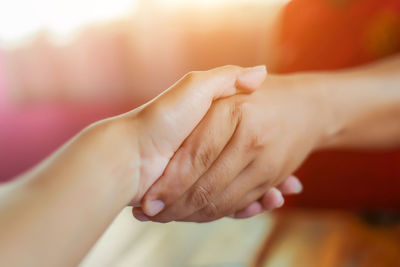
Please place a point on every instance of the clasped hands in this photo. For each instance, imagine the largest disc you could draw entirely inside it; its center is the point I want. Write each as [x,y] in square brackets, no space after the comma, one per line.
[223,142]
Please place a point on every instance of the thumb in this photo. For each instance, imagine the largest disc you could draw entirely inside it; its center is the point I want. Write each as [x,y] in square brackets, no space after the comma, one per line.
[172,116]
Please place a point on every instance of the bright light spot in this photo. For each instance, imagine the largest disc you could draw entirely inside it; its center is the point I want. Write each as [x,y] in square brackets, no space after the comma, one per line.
[21,18]
[216,2]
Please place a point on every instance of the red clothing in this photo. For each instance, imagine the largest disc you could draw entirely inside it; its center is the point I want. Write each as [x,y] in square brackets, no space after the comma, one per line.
[329,35]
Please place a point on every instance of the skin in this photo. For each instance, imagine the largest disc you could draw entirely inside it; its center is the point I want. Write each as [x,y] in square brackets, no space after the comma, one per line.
[53,214]
[247,144]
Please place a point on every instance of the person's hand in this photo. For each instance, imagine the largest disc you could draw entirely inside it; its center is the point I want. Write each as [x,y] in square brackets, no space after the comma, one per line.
[104,168]
[245,145]
[271,200]
[162,125]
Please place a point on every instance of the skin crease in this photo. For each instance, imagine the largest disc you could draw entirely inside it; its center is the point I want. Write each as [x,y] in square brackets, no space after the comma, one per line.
[73,196]
[253,142]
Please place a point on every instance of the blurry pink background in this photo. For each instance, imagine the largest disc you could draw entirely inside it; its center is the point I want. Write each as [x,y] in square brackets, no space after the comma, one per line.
[55,86]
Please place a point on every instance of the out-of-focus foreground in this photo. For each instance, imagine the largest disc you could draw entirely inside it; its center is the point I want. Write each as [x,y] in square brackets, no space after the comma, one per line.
[297,238]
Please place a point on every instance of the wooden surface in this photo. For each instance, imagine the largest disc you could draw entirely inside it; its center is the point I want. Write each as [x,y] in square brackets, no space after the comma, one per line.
[331,239]
[292,238]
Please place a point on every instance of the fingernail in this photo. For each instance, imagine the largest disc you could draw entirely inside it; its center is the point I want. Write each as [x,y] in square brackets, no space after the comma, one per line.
[297,186]
[141,217]
[278,198]
[281,200]
[251,78]
[260,68]
[154,207]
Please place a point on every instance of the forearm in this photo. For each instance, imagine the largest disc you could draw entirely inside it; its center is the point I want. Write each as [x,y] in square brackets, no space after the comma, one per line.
[362,106]
[55,213]
[73,196]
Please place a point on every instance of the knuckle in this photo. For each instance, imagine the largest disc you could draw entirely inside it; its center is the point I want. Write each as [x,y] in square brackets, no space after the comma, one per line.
[245,106]
[211,211]
[204,156]
[167,188]
[231,68]
[222,207]
[198,157]
[257,142]
[254,139]
[236,111]
[254,142]
[191,76]
[239,108]
[200,197]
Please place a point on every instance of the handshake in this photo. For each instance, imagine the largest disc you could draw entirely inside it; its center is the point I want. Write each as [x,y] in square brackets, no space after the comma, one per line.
[218,143]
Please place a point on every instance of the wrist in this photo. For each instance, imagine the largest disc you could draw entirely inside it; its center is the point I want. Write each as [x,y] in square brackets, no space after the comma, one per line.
[115,143]
[142,166]
[324,111]
[320,118]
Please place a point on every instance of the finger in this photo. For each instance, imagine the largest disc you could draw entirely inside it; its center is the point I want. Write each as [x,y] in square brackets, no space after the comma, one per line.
[252,179]
[269,201]
[250,211]
[193,158]
[179,109]
[272,199]
[291,186]
[139,215]
[233,159]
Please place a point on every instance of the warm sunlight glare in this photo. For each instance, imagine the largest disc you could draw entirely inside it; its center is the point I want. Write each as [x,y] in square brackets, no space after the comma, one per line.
[21,18]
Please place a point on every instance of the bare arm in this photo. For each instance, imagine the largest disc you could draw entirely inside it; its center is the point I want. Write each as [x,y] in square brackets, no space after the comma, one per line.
[54,213]
[364,106]
[270,133]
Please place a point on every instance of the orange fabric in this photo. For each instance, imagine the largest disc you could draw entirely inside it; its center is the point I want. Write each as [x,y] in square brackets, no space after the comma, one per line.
[329,35]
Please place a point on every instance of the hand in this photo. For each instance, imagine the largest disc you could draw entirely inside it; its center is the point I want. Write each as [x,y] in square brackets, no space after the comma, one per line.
[162,125]
[245,145]
[271,200]
[103,168]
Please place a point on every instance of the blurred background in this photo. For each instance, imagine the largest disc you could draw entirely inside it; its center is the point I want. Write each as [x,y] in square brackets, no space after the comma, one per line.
[68,63]
[65,64]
